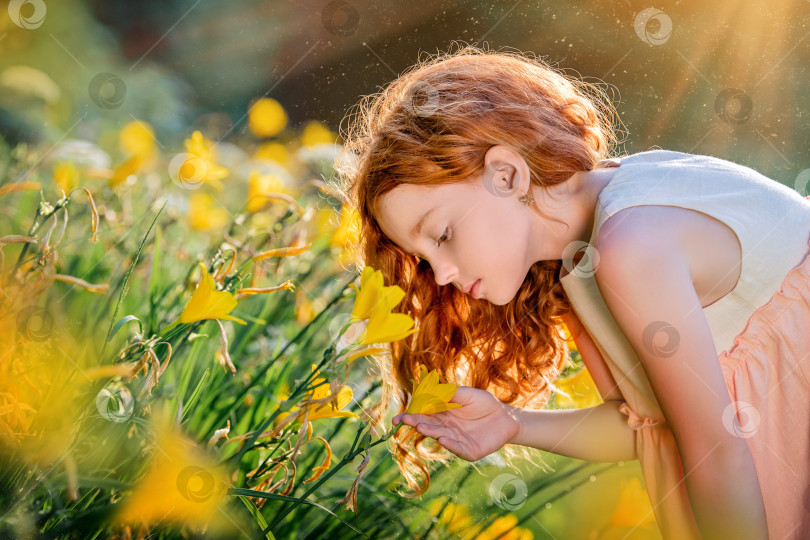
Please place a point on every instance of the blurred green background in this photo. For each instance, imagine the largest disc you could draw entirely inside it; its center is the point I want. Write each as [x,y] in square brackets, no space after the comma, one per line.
[724,78]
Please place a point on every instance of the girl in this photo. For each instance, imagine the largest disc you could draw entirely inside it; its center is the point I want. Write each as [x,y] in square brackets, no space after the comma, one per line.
[479,178]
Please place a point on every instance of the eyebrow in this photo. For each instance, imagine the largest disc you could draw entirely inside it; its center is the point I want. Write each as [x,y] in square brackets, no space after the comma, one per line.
[419,224]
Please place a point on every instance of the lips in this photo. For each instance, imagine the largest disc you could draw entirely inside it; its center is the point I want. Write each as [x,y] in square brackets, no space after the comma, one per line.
[473,286]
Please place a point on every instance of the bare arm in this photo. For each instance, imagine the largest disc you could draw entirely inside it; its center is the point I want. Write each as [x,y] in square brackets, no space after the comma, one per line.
[645,280]
[597,433]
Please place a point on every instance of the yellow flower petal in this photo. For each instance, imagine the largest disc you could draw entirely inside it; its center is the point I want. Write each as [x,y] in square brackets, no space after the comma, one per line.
[208,303]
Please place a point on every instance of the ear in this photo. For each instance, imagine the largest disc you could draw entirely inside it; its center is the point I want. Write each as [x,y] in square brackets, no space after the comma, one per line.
[506,173]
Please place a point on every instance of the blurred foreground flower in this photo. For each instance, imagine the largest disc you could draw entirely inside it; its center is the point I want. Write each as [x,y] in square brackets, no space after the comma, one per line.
[429,395]
[455,518]
[505,528]
[183,485]
[634,508]
[577,391]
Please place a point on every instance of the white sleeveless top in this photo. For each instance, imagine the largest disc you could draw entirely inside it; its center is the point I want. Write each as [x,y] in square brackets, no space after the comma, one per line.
[771,221]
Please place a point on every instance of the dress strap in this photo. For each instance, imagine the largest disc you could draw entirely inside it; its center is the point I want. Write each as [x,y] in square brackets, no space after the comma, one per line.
[635,421]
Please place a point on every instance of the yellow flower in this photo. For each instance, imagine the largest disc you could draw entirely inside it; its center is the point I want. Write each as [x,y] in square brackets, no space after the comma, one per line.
[372,294]
[374,303]
[348,231]
[386,327]
[580,389]
[455,517]
[204,168]
[326,410]
[182,485]
[634,508]
[125,170]
[65,176]
[263,184]
[317,133]
[205,214]
[208,303]
[504,528]
[267,117]
[429,395]
[273,151]
[137,139]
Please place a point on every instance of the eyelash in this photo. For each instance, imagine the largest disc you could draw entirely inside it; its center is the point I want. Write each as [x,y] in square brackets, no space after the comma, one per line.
[439,242]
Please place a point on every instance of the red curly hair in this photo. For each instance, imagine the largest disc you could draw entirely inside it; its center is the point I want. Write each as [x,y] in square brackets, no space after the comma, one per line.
[432,126]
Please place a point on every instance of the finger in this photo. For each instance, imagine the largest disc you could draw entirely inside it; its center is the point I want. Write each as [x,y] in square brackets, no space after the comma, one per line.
[453,445]
[464,395]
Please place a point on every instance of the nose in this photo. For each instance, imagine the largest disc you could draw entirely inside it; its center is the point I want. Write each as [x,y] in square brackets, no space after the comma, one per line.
[444,271]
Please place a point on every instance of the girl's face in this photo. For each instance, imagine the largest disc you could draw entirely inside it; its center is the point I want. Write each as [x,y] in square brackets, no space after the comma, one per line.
[477,229]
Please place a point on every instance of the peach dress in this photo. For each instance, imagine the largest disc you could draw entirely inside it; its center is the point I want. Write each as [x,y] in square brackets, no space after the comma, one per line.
[761,331]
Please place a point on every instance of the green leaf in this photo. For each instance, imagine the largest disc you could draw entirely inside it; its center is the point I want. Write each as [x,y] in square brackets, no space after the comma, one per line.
[122,322]
[197,392]
[129,272]
[257,516]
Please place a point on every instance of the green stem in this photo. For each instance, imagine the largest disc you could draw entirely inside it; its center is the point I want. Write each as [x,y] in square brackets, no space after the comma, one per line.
[348,458]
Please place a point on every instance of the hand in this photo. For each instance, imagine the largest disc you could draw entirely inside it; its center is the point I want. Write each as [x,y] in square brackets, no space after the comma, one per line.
[481,426]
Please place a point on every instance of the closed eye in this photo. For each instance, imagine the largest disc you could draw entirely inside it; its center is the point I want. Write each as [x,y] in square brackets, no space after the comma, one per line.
[443,237]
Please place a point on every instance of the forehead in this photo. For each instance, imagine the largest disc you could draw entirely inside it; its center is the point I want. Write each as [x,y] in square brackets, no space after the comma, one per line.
[402,207]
